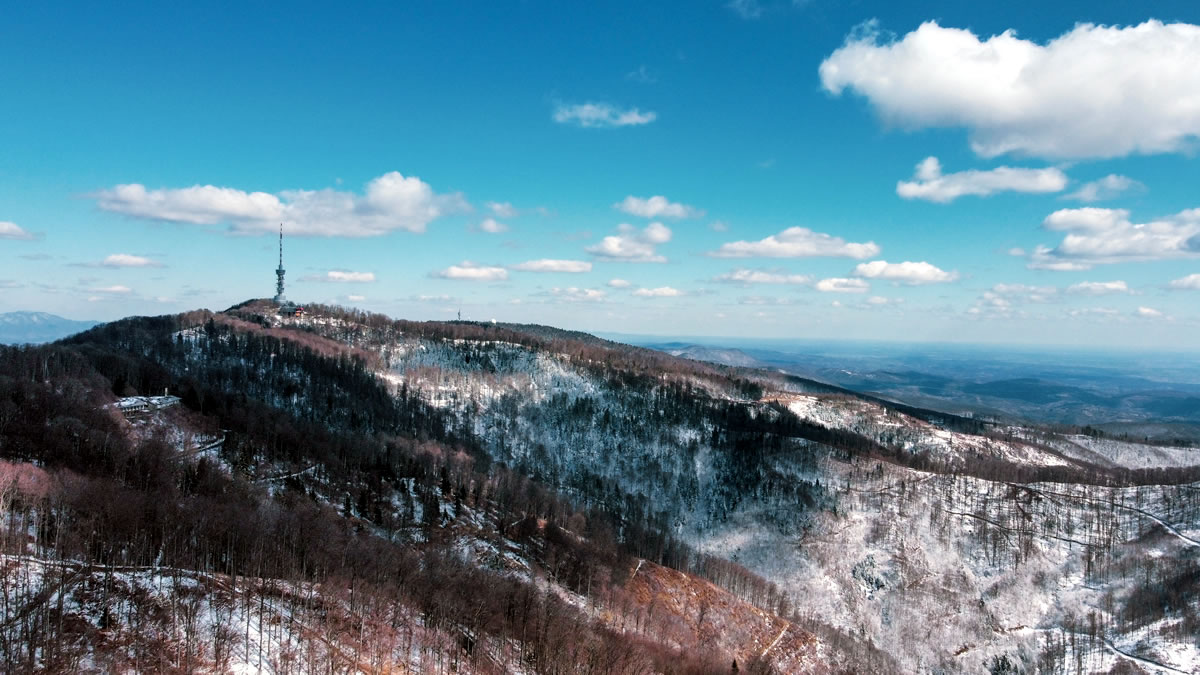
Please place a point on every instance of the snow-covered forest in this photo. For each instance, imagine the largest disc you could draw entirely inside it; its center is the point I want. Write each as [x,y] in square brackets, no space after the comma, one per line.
[349,493]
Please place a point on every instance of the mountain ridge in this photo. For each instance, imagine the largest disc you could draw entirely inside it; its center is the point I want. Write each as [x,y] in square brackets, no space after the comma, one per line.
[575,465]
[33,327]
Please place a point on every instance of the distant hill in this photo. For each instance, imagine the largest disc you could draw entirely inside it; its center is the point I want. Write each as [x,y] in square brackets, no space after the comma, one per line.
[722,355]
[36,327]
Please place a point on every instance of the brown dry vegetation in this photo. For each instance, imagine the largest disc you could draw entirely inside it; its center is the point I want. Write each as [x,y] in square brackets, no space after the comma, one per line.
[716,620]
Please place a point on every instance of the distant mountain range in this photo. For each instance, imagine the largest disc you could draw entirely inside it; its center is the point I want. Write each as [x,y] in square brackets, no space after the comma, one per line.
[1143,395]
[36,327]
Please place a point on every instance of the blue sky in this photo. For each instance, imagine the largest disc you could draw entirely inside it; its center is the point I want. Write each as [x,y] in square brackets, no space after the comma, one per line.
[740,169]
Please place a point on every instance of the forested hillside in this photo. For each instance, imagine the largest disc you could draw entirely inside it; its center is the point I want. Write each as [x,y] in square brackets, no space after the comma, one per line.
[336,527]
[346,492]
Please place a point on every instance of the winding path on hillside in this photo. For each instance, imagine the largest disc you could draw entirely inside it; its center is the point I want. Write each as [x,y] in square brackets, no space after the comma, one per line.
[1146,662]
[1167,526]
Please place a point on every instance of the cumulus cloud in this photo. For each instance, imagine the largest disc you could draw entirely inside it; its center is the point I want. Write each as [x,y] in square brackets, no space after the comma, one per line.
[574,294]
[747,9]
[492,226]
[765,300]
[746,277]
[657,207]
[356,298]
[797,242]
[501,209]
[619,283]
[756,9]
[548,265]
[642,75]
[1026,292]
[1005,300]
[930,184]
[1093,312]
[469,271]
[391,202]
[1189,283]
[1098,288]
[127,260]
[633,245]
[1111,186]
[113,290]
[1095,91]
[13,231]
[909,273]
[601,115]
[1096,236]
[841,285]
[341,276]
[1148,313]
[660,292]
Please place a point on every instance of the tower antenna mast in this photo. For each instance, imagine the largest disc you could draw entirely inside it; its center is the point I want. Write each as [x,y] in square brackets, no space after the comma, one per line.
[279,272]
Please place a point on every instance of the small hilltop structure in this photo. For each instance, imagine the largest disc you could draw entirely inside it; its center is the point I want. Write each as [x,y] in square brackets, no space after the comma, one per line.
[286,307]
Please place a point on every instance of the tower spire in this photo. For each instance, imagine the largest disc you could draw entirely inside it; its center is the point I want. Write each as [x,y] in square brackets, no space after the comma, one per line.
[279,272]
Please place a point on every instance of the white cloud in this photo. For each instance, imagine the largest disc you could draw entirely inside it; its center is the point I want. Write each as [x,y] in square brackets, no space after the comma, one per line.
[841,285]
[127,260]
[391,202]
[356,298]
[1017,251]
[1097,236]
[633,245]
[657,207]
[745,276]
[114,290]
[765,300]
[1086,219]
[501,209]
[491,226]
[1005,300]
[1026,293]
[1109,187]
[1189,283]
[797,242]
[1042,258]
[1095,91]
[1098,288]
[469,271]
[13,231]
[1097,312]
[910,273]
[619,283]
[1148,313]
[718,226]
[548,265]
[341,276]
[642,75]
[573,294]
[880,301]
[660,292]
[932,185]
[600,115]
[747,9]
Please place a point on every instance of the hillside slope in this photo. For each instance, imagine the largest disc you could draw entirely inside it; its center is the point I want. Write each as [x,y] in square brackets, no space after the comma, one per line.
[840,531]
